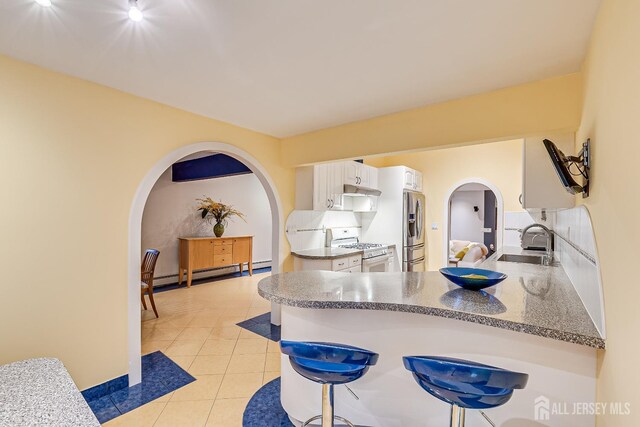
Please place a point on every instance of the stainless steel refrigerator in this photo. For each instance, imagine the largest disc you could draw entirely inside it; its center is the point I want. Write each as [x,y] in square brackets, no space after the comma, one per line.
[413,240]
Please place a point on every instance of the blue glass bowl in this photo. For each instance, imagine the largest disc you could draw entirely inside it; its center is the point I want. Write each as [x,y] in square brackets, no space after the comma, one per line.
[455,275]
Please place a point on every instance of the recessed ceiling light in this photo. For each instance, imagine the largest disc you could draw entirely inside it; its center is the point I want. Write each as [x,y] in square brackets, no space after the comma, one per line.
[135,14]
[45,3]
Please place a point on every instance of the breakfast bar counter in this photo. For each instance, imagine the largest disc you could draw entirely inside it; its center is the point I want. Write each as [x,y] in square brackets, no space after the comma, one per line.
[532,322]
[533,299]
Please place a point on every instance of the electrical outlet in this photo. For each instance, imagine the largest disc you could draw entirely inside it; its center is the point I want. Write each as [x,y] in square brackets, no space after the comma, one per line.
[434,226]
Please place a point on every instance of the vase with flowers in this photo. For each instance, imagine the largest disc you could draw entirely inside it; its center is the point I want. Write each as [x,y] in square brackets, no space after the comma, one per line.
[218,212]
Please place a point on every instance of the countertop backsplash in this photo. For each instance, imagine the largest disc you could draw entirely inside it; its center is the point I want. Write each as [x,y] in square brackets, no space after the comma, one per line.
[575,249]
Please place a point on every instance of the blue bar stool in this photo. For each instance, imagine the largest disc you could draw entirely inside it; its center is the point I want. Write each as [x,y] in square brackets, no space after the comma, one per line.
[328,364]
[464,384]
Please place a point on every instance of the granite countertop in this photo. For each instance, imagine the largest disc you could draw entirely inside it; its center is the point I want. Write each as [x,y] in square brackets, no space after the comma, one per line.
[40,392]
[534,299]
[326,253]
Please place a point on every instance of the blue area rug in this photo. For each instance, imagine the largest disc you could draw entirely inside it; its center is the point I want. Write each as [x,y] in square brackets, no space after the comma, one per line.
[160,375]
[262,326]
[194,282]
[264,408]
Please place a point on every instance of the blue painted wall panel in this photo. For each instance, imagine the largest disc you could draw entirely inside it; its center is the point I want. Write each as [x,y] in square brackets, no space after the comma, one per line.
[214,166]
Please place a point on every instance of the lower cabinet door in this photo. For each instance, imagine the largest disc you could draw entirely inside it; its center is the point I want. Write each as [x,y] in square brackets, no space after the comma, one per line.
[241,250]
[202,254]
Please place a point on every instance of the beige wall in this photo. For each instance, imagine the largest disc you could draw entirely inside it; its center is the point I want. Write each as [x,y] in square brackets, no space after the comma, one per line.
[610,118]
[499,163]
[514,112]
[72,154]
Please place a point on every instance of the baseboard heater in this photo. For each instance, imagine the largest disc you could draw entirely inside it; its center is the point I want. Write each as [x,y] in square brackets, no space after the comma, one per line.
[207,273]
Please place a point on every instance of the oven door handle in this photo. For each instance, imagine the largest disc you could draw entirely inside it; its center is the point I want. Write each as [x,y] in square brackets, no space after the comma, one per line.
[377,259]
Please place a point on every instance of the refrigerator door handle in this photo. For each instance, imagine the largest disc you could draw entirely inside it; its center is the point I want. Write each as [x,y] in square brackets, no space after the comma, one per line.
[418,219]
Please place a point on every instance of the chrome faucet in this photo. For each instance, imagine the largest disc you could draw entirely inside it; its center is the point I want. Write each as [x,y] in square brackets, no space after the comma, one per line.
[548,258]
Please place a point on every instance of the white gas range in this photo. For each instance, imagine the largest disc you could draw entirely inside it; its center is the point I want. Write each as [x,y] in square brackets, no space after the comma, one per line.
[376,257]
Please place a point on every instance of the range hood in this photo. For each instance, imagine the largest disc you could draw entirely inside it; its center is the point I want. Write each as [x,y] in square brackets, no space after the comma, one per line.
[357,190]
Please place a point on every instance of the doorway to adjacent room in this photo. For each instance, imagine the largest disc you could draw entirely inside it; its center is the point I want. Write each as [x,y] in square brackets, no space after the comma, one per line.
[135,233]
[474,212]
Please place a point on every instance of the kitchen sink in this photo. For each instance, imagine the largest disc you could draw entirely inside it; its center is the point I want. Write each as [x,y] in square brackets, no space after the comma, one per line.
[526,259]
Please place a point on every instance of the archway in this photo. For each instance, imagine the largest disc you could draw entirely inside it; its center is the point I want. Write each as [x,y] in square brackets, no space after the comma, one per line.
[135,234]
[447,214]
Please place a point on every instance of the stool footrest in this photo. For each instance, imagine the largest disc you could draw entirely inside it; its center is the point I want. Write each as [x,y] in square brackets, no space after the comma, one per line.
[335,417]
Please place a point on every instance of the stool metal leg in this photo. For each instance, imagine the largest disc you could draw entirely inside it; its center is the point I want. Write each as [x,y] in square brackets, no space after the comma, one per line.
[327,416]
[327,405]
[457,416]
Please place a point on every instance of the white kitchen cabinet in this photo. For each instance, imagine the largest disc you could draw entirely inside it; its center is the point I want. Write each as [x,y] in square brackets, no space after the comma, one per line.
[356,173]
[321,187]
[327,188]
[417,180]
[372,176]
[541,188]
[412,179]
[352,172]
[345,264]
[321,200]
[335,185]
[408,178]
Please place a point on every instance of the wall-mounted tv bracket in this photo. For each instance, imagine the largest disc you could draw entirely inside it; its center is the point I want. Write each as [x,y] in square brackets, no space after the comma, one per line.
[582,162]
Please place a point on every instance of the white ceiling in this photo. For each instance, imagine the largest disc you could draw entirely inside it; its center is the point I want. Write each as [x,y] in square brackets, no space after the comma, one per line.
[285,67]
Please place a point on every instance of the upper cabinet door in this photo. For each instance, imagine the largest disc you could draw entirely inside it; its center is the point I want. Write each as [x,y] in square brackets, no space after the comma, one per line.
[356,173]
[412,179]
[417,180]
[335,185]
[409,179]
[336,178]
[372,177]
[352,172]
[321,199]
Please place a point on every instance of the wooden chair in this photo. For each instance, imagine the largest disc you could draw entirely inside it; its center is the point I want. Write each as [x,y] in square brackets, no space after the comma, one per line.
[146,277]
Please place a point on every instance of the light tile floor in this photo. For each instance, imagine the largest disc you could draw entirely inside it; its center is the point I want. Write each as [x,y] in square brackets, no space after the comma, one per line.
[197,330]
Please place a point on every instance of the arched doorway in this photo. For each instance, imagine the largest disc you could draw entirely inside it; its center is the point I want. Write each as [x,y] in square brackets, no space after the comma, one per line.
[477,184]
[135,234]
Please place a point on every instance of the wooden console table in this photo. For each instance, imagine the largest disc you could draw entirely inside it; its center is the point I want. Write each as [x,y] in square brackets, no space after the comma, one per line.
[199,253]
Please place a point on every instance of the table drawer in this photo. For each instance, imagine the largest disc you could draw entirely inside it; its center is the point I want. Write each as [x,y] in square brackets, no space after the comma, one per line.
[222,242]
[223,249]
[356,269]
[219,260]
